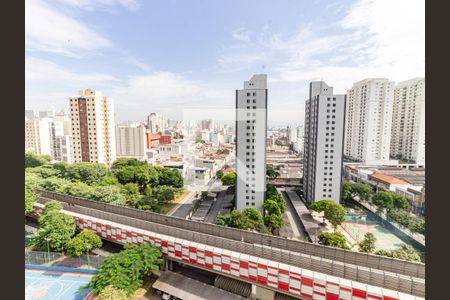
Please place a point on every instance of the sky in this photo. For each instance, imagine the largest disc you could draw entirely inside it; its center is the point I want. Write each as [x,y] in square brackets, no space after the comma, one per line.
[174,56]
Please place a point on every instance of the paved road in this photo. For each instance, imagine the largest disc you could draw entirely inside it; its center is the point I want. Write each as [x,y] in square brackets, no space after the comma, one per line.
[212,215]
[183,210]
[296,229]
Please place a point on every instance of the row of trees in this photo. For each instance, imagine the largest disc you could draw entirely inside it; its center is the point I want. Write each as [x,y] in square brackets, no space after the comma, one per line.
[129,183]
[251,218]
[395,205]
[57,233]
[334,212]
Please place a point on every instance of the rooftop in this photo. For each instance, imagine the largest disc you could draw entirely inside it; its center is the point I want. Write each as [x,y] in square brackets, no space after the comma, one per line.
[388,178]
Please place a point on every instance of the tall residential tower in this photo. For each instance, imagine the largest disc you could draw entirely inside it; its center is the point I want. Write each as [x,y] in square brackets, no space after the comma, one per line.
[93,128]
[408,121]
[368,120]
[323,143]
[251,128]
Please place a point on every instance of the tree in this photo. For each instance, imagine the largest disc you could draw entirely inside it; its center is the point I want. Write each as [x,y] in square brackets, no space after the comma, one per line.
[34,160]
[350,190]
[45,171]
[124,162]
[400,201]
[383,199]
[86,240]
[77,189]
[87,172]
[164,193]
[333,239]
[170,177]
[30,200]
[219,174]
[126,269]
[109,194]
[272,174]
[248,219]
[274,221]
[406,252]
[57,227]
[319,206]
[229,179]
[367,245]
[141,175]
[335,214]
[53,183]
[112,293]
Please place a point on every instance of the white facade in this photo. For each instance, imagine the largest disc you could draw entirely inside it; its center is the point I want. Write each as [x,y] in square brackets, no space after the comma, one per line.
[368,120]
[323,143]
[131,141]
[169,150]
[38,136]
[251,132]
[408,121]
[93,128]
[61,138]
[156,123]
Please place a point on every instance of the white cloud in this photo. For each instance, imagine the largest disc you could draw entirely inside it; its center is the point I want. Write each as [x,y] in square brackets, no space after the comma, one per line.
[131,5]
[166,92]
[374,38]
[241,35]
[43,70]
[137,63]
[49,30]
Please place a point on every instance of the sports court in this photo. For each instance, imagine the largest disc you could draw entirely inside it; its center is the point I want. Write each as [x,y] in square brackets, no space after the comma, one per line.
[55,285]
[385,239]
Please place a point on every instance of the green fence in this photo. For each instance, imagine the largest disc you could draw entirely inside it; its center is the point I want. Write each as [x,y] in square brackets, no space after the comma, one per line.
[61,260]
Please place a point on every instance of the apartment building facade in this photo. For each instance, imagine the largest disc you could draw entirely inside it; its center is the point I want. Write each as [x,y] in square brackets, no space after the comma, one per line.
[369,120]
[251,132]
[92,125]
[408,121]
[131,141]
[323,143]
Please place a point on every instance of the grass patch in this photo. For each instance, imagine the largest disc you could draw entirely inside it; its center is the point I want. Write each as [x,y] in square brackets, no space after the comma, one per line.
[166,207]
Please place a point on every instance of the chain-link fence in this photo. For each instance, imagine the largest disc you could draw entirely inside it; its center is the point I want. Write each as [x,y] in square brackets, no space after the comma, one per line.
[61,260]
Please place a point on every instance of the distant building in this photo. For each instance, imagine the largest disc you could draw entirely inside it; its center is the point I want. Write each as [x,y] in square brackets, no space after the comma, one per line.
[324,134]
[29,114]
[251,132]
[207,124]
[408,121]
[156,123]
[93,127]
[368,120]
[38,136]
[61,138]
[152,139]
[165,139]
[131,141]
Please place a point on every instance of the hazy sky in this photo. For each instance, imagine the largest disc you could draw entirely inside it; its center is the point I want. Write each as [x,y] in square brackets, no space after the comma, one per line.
[174,55]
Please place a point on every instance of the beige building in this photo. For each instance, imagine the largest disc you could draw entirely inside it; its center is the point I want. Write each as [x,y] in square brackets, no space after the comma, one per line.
[93,132]
[38,136]
[131,141]
[408,121]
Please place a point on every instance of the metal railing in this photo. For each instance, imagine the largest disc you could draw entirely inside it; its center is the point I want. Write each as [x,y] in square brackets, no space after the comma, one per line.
[388,264]
[60,260]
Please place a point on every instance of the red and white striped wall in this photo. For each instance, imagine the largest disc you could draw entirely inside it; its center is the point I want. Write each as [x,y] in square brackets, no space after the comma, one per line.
[290,279]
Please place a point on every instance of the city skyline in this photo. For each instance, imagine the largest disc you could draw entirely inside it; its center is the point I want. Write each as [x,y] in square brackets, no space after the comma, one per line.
[164,72]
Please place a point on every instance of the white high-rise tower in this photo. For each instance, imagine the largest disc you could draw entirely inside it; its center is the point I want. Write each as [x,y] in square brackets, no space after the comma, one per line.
[408,121]
[251,129]
[368,120]
[323,143]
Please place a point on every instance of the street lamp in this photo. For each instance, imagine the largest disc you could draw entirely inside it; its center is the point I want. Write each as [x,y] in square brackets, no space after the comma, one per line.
[47,239]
